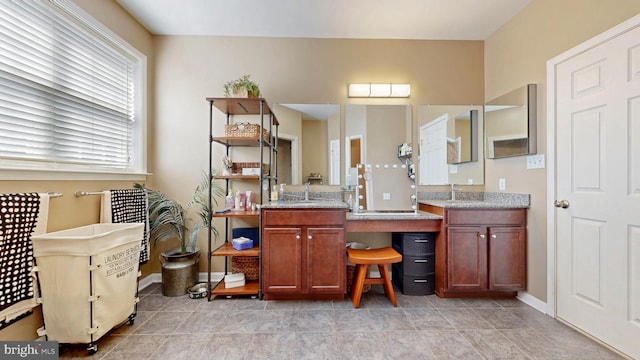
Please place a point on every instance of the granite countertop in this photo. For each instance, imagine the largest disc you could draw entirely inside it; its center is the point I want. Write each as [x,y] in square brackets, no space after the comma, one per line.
[475,200]
[392,215]
[301,204]
[463,204]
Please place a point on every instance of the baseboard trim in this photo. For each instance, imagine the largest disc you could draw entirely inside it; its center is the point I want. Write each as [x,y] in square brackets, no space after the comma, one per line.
[532,301]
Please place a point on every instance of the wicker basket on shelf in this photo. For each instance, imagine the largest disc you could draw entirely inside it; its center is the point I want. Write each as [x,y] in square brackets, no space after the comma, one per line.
[249,265]
[245,130]
[248,168]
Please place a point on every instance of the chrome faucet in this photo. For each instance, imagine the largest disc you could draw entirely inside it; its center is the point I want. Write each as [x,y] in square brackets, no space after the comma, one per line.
[306,191]
[453,191]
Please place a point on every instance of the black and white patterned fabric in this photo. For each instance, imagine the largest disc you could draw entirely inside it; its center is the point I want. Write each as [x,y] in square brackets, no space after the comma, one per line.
[18,218]
[131,206]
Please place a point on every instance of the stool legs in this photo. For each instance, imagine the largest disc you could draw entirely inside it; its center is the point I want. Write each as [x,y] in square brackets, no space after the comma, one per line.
[360,279]
[358,284]
[388,288]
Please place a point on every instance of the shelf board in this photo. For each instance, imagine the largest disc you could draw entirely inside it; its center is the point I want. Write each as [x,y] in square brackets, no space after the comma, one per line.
[250,288]
[232,213]
[237,141]
[228,250]
[236,177]
[242,106]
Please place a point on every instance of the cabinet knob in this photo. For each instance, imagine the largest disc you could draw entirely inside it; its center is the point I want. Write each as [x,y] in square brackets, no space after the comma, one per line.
[482,236]
[494,236]
[297,237]
[309,237]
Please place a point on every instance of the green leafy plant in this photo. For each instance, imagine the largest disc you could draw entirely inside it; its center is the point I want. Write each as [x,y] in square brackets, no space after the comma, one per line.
[253,90]
[167,217]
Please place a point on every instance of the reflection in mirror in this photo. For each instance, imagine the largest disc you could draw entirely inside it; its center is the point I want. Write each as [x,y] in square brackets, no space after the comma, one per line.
[462,133]
[308,143]
[366,175]
[511,123]
[435,130]
[373,134]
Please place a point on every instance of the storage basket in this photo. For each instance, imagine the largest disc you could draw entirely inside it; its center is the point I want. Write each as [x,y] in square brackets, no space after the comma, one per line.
[248,168]
[245,130]
[249,265]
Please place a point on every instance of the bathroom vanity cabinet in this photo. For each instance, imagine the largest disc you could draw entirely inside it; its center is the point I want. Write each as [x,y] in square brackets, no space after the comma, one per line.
[303,254]
[481,252]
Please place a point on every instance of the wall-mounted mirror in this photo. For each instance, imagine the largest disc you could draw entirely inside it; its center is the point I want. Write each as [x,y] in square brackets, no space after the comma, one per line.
[444,133]
[511,119]
[373,134]
[308,144]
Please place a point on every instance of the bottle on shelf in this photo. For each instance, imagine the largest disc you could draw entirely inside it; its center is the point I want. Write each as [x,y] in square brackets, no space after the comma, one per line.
[238,199]
[229,202]
[248,199]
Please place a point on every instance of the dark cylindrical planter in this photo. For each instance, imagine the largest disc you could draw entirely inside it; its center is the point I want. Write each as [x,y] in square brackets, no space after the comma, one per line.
[179,271]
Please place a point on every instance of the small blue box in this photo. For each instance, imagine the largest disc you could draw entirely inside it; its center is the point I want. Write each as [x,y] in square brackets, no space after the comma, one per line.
[252,233]
[242,243]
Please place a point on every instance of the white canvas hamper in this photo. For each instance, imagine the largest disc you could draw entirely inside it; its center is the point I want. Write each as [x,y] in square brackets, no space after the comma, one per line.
[88,279]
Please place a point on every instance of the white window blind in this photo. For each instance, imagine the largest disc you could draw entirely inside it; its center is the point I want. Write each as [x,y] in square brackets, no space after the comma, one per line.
[67,93]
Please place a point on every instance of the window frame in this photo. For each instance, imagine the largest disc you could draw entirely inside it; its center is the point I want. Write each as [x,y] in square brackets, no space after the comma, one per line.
[12,169]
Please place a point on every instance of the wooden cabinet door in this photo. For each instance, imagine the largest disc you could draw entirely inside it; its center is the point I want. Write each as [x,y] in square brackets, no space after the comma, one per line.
[281,260]
[507,258]
[466,258]
[325,260]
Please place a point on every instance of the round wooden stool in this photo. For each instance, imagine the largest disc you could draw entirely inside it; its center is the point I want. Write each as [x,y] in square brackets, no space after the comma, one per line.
[362,259]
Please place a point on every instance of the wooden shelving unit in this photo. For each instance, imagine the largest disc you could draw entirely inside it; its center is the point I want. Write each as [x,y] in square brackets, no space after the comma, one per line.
[269,124]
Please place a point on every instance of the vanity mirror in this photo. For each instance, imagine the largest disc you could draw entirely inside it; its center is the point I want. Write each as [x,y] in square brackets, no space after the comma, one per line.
[372,136]
[450,143]
[308,144]
[510,128]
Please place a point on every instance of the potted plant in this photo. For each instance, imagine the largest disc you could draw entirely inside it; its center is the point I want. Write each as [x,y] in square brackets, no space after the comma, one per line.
[242,87]
[168,222]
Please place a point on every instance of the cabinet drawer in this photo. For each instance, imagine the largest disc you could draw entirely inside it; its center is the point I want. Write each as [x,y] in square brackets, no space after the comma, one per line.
[413,285]
[414,243]
[418,265]
[486,216]
[303,217]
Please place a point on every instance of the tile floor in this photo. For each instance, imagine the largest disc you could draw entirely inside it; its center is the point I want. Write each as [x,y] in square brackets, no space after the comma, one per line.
[421,327]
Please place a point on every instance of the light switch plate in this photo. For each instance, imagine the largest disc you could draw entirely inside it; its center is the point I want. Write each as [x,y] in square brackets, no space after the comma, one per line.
[535,161]
[386,196]
[502,184]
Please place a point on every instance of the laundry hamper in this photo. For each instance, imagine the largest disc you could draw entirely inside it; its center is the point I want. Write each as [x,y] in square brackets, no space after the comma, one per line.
[88,280]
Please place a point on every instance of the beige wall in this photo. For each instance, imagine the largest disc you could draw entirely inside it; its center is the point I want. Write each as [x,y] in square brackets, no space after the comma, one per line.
[68,211]
[516,55]
[298,71]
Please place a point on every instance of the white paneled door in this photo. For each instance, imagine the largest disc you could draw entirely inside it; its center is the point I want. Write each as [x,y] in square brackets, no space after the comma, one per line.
[433,151]
[597,184]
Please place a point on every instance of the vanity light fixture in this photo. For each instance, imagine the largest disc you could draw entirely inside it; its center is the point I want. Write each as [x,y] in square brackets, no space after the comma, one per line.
[379,90]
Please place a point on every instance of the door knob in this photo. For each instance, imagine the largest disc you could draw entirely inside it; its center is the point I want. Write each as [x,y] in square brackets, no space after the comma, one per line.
[561,204]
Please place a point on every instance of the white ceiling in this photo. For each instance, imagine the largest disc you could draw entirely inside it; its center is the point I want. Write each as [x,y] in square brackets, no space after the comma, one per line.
[315,111]
[342,19]
[348,19]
